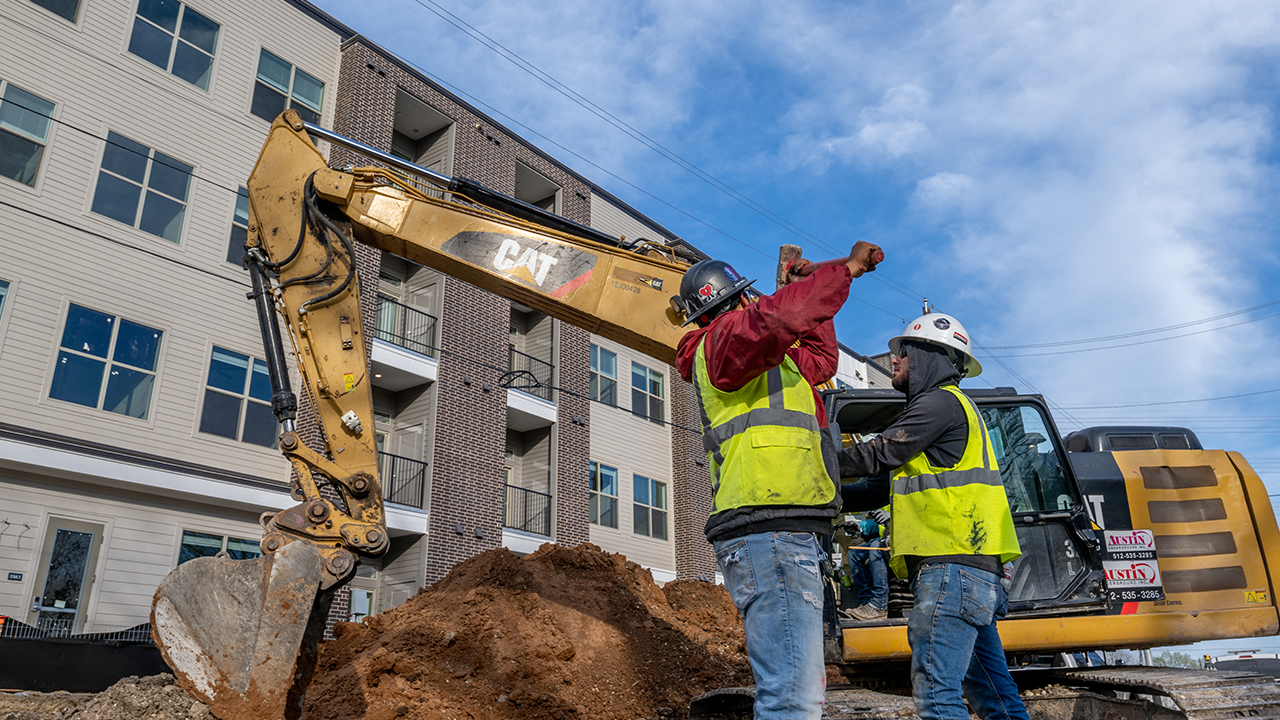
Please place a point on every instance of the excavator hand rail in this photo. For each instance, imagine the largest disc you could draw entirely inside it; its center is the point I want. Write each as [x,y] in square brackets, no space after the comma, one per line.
[475,191]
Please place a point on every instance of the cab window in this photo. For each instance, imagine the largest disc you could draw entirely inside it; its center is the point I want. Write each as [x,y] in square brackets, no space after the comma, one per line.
[1029,463]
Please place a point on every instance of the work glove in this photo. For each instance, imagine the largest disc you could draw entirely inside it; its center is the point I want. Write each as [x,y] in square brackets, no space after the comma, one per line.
[880,516]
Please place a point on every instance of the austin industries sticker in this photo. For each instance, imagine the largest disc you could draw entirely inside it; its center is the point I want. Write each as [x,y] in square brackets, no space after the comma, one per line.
[1133,572]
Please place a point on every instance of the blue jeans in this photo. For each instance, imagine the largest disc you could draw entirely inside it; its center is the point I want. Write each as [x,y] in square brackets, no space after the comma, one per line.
[954,644]
[870,569]
[775,582]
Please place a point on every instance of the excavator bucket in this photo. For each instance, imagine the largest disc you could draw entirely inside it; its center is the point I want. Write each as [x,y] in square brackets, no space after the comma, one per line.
[241,635]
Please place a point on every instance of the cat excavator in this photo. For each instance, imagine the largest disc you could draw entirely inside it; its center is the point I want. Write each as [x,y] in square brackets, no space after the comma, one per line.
[1179,546]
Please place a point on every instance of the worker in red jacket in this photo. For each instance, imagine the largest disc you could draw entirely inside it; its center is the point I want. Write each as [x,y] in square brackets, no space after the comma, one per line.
[774,472]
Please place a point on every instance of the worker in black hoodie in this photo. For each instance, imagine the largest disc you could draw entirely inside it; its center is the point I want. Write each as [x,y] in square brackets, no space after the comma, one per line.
[952,529]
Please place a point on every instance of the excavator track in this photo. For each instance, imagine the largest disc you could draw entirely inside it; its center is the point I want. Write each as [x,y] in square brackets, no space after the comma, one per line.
[1198,694]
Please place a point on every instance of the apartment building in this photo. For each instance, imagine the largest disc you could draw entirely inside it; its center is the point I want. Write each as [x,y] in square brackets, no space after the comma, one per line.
[135,429]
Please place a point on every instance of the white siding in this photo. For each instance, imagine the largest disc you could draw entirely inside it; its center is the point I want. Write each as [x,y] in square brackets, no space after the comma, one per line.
[140,546]
[59,252]
[635,446]
[607,217]
[98,86]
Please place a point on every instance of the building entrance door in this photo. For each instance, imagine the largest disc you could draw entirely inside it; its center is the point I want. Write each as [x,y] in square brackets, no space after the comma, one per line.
[68,565]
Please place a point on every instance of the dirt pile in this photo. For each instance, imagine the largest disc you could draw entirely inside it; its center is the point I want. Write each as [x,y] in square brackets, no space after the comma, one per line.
[133,698]
[562,633]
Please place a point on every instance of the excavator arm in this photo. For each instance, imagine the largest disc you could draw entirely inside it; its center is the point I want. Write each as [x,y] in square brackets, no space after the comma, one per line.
[241,634]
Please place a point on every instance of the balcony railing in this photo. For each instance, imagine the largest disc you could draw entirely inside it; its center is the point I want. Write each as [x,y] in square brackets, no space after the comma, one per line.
[528,510]
[403,479]
[407,327]
[539,370]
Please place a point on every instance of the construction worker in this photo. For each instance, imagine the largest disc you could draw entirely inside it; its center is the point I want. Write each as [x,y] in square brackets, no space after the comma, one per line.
[952,529]
[754,365]
[870,569]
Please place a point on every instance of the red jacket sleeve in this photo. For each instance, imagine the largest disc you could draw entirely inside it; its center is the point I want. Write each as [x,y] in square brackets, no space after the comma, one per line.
[795,321]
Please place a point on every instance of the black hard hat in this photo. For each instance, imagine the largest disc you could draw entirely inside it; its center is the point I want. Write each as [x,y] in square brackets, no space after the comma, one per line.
[708,288]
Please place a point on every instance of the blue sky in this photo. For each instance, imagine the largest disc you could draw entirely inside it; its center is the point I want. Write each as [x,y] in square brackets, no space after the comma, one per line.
[1047,172]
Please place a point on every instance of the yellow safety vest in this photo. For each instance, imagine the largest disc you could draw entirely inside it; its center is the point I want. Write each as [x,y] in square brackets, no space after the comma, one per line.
[763,440]
[960,510]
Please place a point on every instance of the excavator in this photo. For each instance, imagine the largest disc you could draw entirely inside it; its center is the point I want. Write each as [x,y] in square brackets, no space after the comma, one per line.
[1122,548]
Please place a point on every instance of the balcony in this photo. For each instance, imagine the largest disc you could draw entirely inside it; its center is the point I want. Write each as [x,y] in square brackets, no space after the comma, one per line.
[403,479]
[528,511]
[538,380]
[404,346]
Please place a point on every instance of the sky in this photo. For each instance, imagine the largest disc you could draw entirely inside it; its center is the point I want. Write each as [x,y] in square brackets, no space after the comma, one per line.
[1048,173]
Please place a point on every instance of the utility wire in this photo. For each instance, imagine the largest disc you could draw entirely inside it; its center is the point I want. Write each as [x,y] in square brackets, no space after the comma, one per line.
[240,121]
[668,154]
[145,156]
[1137,333]
[122,243]
[551,82]
[1145,342]
[1173,402]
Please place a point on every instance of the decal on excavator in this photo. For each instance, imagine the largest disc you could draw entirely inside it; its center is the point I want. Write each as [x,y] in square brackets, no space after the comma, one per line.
[554,269]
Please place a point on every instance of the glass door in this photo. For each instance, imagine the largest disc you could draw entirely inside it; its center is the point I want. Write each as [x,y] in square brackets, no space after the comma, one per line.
[67,566]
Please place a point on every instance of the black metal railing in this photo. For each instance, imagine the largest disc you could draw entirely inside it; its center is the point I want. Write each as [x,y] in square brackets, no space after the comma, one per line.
[403,479]
[407,327]
[538,382]
[528,510]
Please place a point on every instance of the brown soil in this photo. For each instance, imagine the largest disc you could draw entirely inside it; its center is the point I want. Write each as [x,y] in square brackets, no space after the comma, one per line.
[562,633]
[149,698]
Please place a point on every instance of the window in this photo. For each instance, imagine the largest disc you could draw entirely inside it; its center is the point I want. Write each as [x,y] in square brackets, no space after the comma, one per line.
[604,375]
[198,544]
[106,362]
[173,37]
[604,495]
[239,227]
[237,400]
[650,511]
[646,393]
[4,293]
[280,86]
[62,8]
[24,129]
[1030,466]
[143,188]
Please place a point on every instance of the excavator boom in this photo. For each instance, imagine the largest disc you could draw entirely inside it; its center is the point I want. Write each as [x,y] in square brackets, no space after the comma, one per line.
[241,634]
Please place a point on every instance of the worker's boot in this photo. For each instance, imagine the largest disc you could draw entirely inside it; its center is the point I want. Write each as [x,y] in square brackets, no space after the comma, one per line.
[869,612]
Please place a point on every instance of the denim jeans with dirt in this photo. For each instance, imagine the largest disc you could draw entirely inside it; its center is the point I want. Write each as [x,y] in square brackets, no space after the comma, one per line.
[775,581]
[954,645]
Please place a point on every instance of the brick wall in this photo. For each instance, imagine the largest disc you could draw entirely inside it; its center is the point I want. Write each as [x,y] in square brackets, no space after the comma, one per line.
[572,486]
[691,500]
[467,495]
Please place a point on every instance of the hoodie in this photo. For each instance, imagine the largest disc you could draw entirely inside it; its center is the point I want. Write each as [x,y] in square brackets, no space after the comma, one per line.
[933,423]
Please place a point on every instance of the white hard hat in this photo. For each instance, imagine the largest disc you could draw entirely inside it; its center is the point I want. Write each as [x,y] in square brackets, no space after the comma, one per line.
[942,330]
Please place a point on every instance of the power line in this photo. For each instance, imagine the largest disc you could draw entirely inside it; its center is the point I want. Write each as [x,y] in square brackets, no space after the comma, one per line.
[1145,342]
[239,121]
[1173,402]
[1136,333]
[551,82]
[122,243]
[637,135]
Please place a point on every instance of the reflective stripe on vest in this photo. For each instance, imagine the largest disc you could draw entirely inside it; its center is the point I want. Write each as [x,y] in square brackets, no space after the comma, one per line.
[961,510]
[763,440]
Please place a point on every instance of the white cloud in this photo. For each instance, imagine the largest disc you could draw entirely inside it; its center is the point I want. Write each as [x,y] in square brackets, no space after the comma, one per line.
[945,191]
